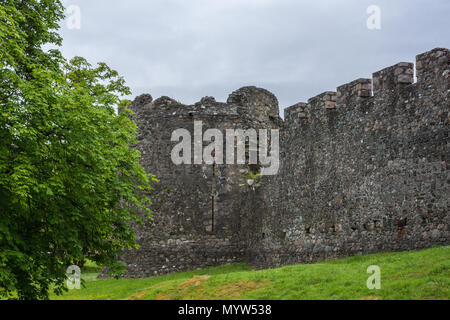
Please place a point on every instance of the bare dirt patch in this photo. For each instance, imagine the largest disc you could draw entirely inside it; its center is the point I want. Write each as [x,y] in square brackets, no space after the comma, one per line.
[198,288]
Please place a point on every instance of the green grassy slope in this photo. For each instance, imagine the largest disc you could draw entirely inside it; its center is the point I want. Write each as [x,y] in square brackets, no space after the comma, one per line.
[405,275]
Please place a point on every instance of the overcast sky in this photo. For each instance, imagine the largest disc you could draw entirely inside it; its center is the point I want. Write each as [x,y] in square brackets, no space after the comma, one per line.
[187,49]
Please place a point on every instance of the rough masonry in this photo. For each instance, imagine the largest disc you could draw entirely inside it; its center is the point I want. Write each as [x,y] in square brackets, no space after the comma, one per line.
[365,169]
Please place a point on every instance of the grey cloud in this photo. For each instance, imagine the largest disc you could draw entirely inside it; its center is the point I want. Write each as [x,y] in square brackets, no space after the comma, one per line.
[296,49]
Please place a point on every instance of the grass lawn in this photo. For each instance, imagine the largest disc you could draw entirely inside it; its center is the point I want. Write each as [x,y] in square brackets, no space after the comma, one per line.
[404,275]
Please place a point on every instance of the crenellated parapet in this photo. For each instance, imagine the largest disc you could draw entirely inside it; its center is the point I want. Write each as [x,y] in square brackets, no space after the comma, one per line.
[364,169]
[247,102]
[385,88]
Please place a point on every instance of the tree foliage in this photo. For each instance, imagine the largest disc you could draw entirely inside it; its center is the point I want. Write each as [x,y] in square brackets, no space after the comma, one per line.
[70,181]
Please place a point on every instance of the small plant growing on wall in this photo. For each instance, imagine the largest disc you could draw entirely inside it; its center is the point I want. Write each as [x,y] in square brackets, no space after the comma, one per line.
[254,179]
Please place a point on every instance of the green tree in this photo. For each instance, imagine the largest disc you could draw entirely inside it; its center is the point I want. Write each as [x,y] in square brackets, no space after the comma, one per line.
[71,184]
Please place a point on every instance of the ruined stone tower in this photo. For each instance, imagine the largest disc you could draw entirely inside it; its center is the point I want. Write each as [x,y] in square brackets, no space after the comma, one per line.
[364,169]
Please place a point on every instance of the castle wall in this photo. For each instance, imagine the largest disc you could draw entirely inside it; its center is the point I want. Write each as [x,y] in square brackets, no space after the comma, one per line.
[364,169]
[363,173]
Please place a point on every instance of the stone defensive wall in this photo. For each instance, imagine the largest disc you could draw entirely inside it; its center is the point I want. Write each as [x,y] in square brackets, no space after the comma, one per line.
[364,169]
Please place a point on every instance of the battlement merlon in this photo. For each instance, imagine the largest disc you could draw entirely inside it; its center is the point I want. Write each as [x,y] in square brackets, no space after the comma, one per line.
[433,69]
[353,92]
[295,113]
[326,100]
[393,78]
[433,72]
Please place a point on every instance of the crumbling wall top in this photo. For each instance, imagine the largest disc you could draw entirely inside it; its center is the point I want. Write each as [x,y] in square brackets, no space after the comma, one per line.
[259,103]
